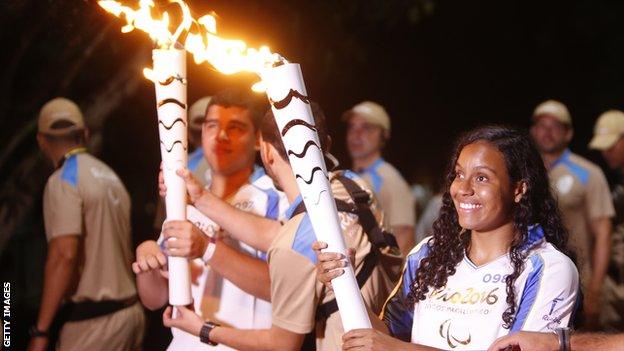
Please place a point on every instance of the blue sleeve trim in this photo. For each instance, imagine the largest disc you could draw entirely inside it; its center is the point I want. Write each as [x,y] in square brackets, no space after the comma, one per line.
[398,313]
[70,171]
[195,158]
[529,294]
[304,238]
[291,209]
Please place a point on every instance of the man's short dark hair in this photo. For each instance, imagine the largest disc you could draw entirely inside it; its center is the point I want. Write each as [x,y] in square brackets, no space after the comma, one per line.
[255,103]
[272,135]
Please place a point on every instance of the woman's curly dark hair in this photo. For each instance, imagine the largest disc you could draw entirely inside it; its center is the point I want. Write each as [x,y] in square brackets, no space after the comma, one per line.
[450,241]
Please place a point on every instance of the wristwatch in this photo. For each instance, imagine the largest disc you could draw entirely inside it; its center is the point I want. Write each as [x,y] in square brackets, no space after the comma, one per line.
[563,334]
[34,332]
[204,333]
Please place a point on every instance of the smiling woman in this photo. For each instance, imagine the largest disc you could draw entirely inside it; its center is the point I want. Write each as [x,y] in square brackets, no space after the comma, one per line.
[497,261]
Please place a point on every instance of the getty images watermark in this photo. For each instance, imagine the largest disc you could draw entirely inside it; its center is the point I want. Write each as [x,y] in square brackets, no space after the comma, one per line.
[6,314]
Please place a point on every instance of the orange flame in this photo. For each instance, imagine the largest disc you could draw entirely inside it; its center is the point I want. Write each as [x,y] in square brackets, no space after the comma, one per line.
[225,55]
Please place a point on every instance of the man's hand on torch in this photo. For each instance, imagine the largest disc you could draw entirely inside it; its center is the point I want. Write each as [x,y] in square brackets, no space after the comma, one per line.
[184,239]
[194,188]
[149,258]
[185,319]
[330,264]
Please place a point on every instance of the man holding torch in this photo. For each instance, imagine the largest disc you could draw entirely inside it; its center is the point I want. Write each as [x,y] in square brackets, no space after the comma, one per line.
[229,142]
[299,301]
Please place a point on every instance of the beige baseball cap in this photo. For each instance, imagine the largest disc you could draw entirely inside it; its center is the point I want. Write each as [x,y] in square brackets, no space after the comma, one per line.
[608,130]
[373,113]
[60,110]
[197,112]
[555,109]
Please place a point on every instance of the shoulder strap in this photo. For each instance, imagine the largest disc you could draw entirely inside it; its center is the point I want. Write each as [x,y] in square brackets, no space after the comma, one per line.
[376,235]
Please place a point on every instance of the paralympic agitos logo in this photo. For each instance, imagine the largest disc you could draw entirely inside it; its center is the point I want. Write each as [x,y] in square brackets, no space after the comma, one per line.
[452,340]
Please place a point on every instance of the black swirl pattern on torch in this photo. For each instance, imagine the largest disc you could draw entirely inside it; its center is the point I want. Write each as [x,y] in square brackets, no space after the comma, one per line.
[172,123]
[171,101]
[305,149]
[314,170]
[286,101]
[319,196]
[297,122]
[170,80]
[172,145]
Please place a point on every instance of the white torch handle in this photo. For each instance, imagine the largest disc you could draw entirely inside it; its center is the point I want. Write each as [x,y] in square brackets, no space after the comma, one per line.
[288,97]
[172,127]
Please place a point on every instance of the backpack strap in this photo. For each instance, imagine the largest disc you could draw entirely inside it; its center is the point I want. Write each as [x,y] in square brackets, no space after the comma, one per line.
[376,235]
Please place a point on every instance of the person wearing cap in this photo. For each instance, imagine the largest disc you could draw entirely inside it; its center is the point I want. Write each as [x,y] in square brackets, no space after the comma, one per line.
[583,196]
[368,131]
[88,283]
[608,139]
[196,161]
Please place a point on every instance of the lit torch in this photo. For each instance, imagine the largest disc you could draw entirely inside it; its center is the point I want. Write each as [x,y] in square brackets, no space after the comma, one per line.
[169,77]
[287,94]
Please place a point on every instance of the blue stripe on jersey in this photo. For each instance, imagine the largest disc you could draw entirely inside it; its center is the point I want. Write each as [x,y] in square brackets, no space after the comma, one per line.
[272,209]
[304,238]
[536,234]
[70,170]
[257,173]
[529,294]
[375,177]
[398,314]
[195,158]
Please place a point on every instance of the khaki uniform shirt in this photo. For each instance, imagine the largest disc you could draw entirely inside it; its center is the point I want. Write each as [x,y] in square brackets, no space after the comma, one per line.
[85,197]
[393,192]
[583,195]
[295,292]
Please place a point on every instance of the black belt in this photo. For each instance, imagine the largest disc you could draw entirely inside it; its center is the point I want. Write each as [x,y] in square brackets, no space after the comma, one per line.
[80,311]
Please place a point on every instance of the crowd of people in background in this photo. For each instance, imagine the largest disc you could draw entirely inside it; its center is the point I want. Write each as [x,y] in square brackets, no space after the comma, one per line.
[522,244]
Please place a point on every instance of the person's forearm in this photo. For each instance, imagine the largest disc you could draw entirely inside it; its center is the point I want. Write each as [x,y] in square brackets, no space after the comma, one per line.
[255,231]
[153,289]
[380,325]
[404,235]
[596,341]
[60,270]
[256,340]
[602,253]
[249,274]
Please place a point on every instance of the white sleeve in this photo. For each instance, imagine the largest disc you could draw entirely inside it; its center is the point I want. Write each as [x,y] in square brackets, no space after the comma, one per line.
[549,296]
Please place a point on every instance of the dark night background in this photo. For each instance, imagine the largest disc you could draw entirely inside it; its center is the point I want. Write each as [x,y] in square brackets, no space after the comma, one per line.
[440,67]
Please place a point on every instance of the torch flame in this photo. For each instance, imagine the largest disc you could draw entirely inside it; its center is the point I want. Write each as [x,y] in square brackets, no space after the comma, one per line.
[225,55]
